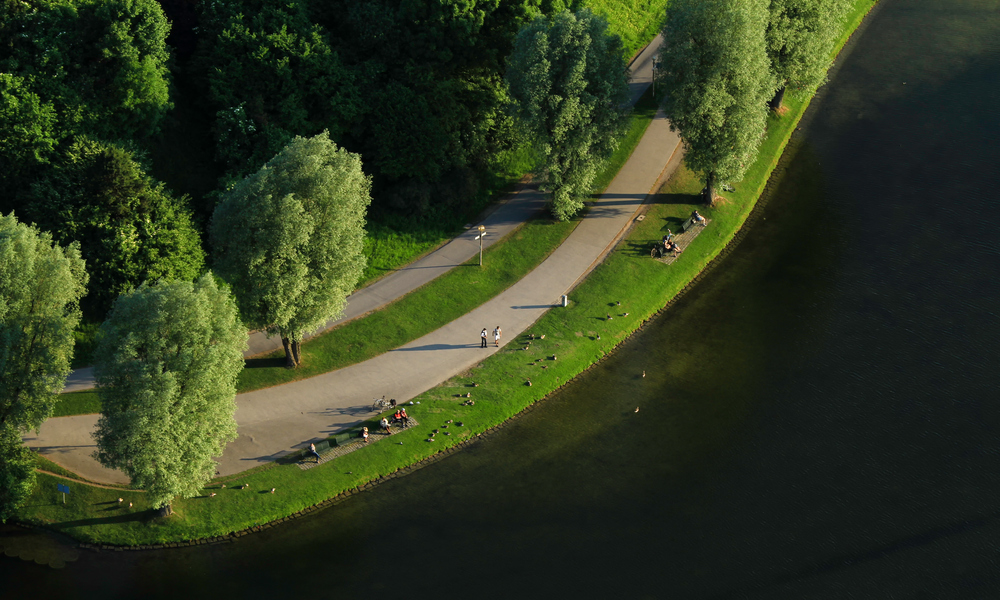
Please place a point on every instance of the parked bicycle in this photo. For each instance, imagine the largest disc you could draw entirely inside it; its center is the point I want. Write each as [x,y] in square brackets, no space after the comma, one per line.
[381,404]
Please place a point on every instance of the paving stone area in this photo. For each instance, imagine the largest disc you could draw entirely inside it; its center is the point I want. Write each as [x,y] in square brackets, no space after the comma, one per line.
[309,461]
[683,240]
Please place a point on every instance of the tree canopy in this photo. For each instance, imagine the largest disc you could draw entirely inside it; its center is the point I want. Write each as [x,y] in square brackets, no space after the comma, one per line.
[569,82]
[102,64]
[414,86]
[129,227]
[166,367]
[289,238]
[40,286]
[800,37]
[715,67]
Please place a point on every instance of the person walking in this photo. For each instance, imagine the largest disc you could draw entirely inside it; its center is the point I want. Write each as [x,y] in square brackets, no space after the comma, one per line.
[496,337]
[483,337]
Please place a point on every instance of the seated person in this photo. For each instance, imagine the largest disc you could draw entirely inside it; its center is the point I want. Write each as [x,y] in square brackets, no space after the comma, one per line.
[384,424]
[673,247]
[698,218]
[405,417]
[668,237]
[396,417]
[312,450]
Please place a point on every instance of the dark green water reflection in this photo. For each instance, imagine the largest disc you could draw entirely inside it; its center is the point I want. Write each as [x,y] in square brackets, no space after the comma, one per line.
[819,417]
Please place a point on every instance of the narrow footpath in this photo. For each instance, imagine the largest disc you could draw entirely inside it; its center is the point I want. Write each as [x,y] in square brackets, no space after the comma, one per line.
[276,421]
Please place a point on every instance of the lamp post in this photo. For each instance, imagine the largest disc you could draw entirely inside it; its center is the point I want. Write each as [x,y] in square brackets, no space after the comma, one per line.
[482,234]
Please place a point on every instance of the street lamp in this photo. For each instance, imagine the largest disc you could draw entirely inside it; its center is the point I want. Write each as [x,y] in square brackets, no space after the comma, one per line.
[482,234]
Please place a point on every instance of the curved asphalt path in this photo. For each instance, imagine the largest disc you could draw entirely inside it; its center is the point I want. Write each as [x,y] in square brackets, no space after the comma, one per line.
[276,421]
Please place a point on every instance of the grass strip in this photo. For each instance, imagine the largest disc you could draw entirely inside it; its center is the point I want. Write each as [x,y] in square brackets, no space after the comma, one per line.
[502,391]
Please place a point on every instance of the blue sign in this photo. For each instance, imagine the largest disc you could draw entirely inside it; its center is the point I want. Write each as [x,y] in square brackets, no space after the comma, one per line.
[63,488]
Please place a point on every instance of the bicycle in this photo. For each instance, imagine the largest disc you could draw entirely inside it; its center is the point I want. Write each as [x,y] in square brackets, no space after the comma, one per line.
[381,404]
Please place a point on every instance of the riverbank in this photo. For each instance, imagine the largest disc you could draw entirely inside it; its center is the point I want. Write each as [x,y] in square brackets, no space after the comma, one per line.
[575,337]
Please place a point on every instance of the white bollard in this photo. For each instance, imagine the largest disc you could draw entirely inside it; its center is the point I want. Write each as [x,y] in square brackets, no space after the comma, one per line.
[565,300]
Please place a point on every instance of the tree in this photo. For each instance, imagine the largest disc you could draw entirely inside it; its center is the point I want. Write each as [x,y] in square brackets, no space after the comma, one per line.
[166,365]
[40,287]
[27,137]
[289,239]
[800,38]
[715,67]
[129,228]
[569,82]
[103,64]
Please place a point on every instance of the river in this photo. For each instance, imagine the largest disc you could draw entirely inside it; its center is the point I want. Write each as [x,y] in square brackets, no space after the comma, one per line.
[819,418]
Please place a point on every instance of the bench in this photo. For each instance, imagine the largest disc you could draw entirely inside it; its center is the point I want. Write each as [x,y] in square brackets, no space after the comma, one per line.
[342,439]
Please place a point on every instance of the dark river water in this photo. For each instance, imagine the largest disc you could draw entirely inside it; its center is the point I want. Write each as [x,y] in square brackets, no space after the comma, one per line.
[820,416]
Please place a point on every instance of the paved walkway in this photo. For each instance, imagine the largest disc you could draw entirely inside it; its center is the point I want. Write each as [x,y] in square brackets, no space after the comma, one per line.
[276,421]
[517,208]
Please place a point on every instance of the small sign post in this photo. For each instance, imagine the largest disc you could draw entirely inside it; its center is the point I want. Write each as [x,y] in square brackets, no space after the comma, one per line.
[64,489]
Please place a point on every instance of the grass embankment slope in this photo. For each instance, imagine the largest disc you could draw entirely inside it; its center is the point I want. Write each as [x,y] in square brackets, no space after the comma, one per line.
[571,335]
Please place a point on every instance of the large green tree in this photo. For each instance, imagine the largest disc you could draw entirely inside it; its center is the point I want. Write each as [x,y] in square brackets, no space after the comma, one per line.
[569,82]
[717,74]
[289,239]
[800,38]
[129,227]
[40,287]
[166,367]
[103,64]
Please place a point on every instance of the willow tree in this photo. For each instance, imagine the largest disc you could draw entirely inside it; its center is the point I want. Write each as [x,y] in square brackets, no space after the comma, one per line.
[715,67]
[800,38]
[40,289]
[289,239]
[569,82]
[166,365]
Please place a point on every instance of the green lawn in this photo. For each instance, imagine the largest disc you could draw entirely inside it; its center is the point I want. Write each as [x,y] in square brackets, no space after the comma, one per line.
[502,391]
[636,21]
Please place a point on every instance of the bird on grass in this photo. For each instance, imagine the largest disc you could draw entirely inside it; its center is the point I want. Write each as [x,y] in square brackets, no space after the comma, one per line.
[636,409]
[272,490]
[212,495]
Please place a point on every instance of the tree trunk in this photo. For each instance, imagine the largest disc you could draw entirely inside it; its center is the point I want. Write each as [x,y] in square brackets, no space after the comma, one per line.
[290,362]
[710,187]
[775,102]
[165,511]
[297,352]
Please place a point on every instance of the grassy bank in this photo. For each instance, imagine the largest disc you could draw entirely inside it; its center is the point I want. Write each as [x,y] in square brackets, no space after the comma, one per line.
[571,344]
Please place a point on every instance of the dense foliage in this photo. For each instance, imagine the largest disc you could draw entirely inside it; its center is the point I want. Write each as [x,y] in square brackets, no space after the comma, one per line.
[40,286]
[289,238]
[569,81]
[130,229]
[167,362]
[81,81]
[78,67]
[415,87]
[715,66]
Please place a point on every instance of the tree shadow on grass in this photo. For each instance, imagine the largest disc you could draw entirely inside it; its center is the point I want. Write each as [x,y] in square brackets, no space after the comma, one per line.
[142,516]
[264,363]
